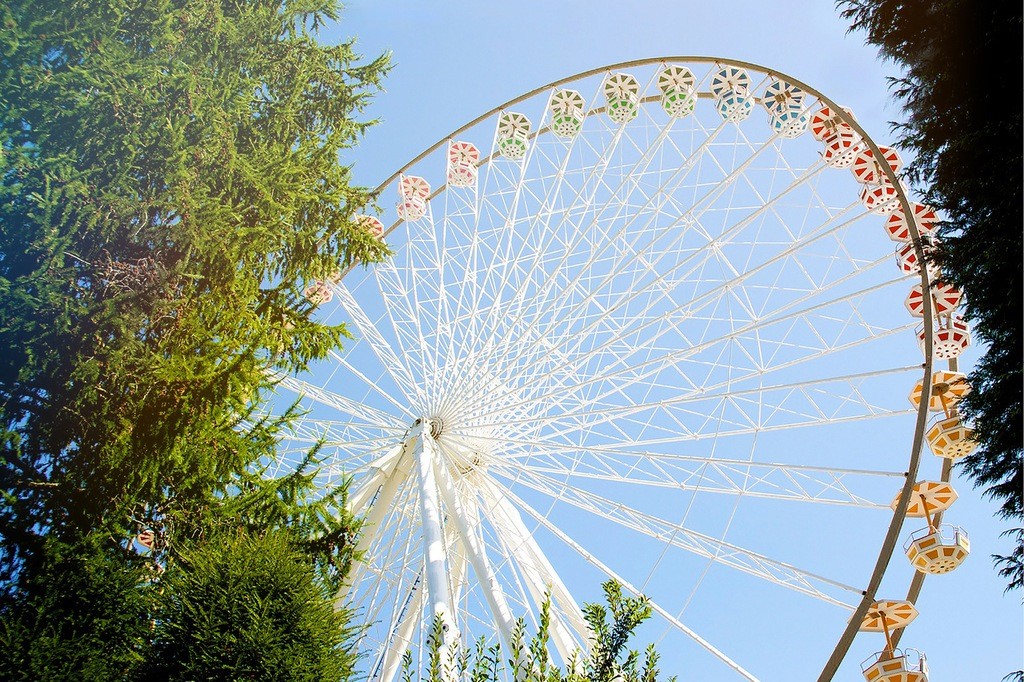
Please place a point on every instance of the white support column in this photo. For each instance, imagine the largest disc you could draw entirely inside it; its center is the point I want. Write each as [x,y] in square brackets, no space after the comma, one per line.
[433,536]
[412,618]
[629,588]
[379,493]
[540,575]
[477,556]
[391,659]
[382,468]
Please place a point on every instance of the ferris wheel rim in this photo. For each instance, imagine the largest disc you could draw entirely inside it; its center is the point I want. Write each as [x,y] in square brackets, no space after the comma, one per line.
[891,538]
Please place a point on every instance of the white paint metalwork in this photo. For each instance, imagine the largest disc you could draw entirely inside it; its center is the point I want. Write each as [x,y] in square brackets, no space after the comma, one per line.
[671,350]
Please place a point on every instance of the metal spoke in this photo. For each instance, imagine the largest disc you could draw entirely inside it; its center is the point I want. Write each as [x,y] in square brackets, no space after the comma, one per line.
[652,330]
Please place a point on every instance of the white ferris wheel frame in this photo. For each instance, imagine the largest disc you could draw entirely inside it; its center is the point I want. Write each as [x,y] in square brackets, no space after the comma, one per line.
[434,487]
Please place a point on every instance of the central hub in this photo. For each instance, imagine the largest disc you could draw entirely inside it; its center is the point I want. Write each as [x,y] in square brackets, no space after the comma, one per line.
[465,452]
[466,424]
[436,427]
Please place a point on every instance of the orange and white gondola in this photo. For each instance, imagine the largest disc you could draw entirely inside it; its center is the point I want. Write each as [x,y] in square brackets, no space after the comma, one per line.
[936,548]
[892,664]
[947,388]
[900,665]
[950,438]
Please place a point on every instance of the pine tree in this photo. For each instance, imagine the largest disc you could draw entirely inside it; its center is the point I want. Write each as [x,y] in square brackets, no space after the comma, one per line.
[171,180]
[961,93]
[242,605]
[86,616]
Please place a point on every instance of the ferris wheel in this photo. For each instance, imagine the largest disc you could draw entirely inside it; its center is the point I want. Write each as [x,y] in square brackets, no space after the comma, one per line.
[645,324]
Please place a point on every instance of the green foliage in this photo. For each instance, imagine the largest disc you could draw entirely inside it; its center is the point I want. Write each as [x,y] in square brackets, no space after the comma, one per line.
[87,617]
[612,626]
[608,656]
[961,95]
[245,606]
[318,522]
[439,658]
[256,570]
[1011,567]
[171,180]
[486,662]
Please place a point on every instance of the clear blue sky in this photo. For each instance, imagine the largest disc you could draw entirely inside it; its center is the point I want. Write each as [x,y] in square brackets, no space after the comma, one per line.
[455,60]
